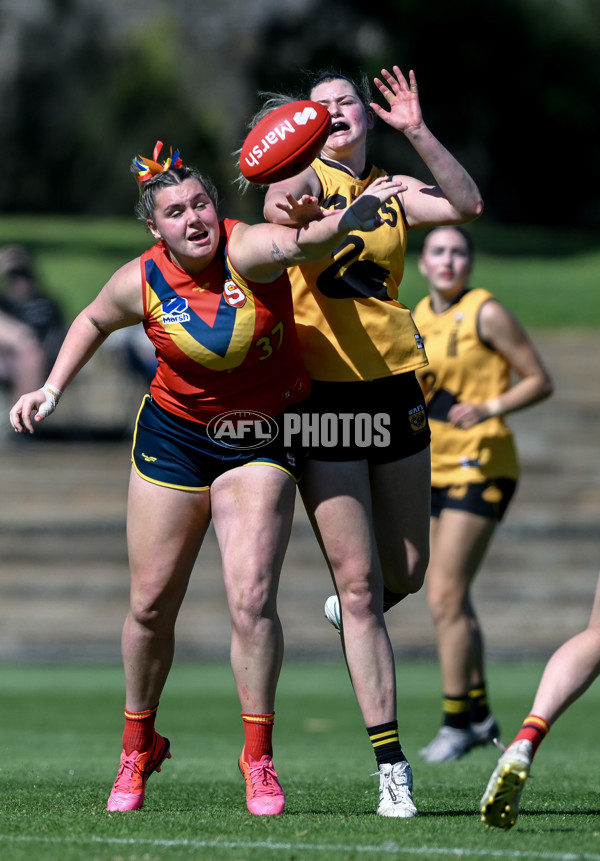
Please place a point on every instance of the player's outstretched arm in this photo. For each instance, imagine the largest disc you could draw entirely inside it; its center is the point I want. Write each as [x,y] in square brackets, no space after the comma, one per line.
[262,251]
[118,304]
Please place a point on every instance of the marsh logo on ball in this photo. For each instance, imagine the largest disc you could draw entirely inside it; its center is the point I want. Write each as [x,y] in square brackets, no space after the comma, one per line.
[302,117]
[284,141]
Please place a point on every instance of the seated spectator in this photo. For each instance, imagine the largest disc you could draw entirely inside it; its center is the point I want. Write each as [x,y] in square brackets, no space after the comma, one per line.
[22,298]
[22,358]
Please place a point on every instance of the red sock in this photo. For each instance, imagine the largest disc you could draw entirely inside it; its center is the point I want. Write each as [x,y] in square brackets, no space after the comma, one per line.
[534,729]
[139,730]
[258,732]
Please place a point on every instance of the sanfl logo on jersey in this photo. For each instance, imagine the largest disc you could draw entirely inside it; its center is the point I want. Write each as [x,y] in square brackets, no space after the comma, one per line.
[175,310]
[234,295]
[420,342]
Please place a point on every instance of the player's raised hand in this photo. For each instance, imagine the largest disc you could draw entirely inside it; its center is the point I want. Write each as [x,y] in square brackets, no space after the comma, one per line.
[402,97]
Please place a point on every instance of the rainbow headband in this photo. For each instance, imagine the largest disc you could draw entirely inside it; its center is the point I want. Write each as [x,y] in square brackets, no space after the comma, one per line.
[149,167]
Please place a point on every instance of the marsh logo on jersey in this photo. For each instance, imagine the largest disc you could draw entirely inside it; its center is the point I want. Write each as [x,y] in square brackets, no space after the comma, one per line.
[420,342]
[418,418]
[242,429]
[175,311]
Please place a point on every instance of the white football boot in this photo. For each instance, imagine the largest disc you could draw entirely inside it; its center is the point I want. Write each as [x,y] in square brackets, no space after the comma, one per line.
[448,745]
[395,790]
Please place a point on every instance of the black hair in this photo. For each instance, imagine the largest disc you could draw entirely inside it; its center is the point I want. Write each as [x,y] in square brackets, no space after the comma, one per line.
[146,205]
[459,229]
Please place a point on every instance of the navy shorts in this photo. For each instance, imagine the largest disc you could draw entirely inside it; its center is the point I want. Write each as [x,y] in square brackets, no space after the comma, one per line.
[380,421]
[487,498]
[175,452]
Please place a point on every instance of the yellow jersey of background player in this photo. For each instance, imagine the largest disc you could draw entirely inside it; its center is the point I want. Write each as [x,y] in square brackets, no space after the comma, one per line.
[461,367]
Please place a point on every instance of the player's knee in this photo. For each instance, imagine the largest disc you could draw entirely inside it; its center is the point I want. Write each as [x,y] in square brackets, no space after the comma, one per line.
[443,605]
[358,600]
[250,603]
[148,617]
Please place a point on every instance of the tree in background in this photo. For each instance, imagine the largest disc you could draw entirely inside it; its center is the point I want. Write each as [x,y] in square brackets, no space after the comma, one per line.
[512,86]
[82,92]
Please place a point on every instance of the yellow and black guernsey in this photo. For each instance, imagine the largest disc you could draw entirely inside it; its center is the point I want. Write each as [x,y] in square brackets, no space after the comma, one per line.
[463,369]
[350,323]
[222,342]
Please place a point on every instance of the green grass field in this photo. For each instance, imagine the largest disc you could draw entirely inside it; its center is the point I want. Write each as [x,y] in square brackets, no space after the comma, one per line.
[548,278]
[60,725]
[60,745]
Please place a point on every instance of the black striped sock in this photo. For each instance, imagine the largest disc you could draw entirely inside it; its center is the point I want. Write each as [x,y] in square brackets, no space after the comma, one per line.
[479,708]
[386,744]
[456,711]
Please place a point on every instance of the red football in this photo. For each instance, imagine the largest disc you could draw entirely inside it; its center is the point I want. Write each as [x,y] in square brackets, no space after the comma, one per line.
[284,142]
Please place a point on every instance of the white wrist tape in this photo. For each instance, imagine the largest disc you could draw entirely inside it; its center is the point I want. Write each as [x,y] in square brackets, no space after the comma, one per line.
[52,398]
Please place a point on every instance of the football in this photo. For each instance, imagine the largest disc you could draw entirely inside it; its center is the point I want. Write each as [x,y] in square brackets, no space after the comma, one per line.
[284,142]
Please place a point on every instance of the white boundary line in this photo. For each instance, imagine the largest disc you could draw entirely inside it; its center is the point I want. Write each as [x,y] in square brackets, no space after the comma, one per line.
[389,848]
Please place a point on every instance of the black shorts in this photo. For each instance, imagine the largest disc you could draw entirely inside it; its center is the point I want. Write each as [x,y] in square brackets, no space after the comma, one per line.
[375,420]
[175,452]
[487,498]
